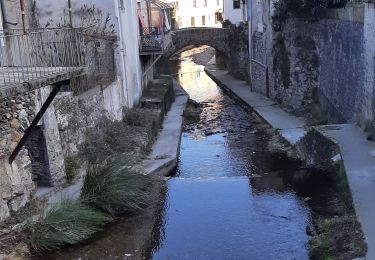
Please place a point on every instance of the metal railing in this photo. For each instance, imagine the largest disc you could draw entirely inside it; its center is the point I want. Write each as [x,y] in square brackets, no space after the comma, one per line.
[153,39]
[29,55]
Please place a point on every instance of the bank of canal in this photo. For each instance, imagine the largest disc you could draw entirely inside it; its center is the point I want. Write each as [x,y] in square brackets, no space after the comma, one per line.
[234,195]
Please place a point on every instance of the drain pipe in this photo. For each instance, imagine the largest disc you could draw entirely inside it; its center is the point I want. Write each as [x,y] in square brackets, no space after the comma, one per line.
[250,25]
[70,13]
[121,10]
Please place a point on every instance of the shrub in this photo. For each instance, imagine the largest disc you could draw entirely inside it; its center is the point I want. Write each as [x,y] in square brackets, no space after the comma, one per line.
[133,136]
[66,223]
[115,191]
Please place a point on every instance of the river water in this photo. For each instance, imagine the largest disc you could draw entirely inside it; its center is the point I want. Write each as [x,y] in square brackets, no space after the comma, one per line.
[234,195]
[228,199]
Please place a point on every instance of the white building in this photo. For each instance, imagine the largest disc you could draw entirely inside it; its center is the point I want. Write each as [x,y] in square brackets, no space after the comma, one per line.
[137,24]
[235,11]
[197,13]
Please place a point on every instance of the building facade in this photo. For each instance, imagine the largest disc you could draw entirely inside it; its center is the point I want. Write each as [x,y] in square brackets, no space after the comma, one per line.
[197,13]
[103,58]
[235,11]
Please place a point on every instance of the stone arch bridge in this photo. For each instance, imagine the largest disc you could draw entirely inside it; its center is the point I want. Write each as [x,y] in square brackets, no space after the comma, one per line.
[217,38]
[230,43]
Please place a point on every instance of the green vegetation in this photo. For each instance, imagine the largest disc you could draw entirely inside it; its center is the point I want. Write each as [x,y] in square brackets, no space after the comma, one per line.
[132,136]
[321,244]
[342,186]
[338,233]
[66,223]
[110,187]
[115,191]
[71,169]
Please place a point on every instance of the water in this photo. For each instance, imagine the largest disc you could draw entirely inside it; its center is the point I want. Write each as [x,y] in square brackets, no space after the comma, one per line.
[234,195]
[228,199]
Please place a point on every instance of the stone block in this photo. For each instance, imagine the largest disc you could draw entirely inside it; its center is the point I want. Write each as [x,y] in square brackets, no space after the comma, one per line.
[15,136]
[5,188]
[4,210]
[18,202]
[14,123]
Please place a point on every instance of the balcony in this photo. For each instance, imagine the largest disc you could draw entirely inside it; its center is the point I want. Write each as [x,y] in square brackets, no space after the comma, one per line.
[154,41]
[155,29]
[40,57]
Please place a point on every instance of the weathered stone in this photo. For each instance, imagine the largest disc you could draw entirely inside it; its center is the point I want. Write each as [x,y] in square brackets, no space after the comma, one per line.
[307,72]
[14,123]
[4,210]
[5,188]
[15,136]
[18,202]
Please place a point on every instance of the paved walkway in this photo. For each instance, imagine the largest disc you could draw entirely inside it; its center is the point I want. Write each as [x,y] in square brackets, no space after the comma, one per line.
[358,154]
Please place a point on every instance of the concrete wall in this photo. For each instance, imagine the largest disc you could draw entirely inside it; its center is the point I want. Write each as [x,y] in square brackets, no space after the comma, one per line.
[129,33]
[326,62]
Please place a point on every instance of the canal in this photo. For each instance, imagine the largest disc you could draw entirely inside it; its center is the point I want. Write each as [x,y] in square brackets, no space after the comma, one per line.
[235,193]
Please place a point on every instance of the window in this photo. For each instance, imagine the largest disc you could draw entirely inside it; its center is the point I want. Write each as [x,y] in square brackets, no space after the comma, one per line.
[203,20]
[236,4]
[193,21]
[205,2]
[195,3]
[217,2]
[218,17]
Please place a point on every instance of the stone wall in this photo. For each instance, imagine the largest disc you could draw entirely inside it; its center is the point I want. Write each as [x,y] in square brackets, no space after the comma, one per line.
[59,133]
[326,63]
[239,51]
[16,185]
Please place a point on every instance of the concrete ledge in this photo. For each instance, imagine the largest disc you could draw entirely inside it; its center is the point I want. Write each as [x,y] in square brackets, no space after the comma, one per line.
[27,86]
[164,156]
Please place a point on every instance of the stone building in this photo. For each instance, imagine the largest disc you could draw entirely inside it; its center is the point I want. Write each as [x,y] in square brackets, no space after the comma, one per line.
[76,63]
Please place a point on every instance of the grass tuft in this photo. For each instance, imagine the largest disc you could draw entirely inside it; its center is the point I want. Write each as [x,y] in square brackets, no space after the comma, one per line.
[66,223]
[115,191]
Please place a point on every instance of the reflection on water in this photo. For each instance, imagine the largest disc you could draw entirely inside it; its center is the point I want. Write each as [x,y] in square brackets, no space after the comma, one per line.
[229,199]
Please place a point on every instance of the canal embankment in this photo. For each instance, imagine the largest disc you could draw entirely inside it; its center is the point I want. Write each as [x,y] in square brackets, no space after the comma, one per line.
[236,191]
[164,153]
[145,142]
[325,146]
